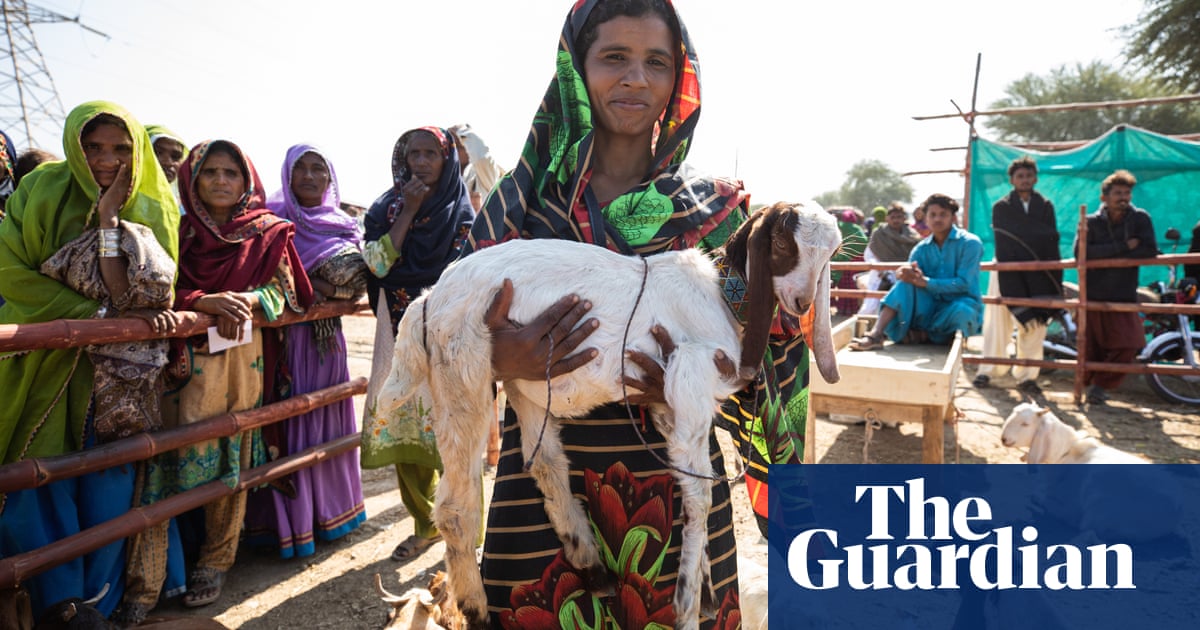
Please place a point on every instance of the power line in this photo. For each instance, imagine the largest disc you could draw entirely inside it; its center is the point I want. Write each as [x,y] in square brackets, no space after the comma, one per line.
[29,101]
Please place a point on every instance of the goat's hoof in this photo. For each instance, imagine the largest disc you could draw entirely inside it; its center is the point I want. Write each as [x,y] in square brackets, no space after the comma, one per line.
[599,581]
[708,605]
[475,619]
[708,602]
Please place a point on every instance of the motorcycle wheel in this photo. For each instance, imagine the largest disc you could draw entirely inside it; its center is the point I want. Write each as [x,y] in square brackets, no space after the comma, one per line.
[1055,355]
[1173,388]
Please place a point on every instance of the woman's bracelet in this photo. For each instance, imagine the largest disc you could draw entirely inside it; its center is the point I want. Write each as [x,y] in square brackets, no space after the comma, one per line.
[343,293]
[110,242]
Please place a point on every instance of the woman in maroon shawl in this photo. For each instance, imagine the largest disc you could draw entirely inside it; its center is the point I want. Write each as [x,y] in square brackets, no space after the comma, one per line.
[236,257]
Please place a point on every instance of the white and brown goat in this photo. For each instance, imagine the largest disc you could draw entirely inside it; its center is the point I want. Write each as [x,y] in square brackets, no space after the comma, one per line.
[783,253]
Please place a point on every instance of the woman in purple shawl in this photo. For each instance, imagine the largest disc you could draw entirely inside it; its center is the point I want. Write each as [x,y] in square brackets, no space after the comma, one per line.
[329,496]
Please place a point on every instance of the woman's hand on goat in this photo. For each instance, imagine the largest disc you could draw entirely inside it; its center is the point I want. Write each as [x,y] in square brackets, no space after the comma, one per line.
[651,383]
[524,351]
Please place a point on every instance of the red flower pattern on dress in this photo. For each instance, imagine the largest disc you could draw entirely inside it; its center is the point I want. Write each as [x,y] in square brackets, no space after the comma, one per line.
[641,605]
[536,605]
[632,519]
[487,242]
[632,522]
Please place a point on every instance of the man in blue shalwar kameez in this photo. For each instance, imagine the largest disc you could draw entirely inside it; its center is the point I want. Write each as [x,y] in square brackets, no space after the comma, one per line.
[938,289]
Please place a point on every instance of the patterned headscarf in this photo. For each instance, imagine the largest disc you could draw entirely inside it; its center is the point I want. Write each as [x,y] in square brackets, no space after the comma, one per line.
[245,253]
[437,231]
[8,155]
[324,230]
[159,131]
[545,195]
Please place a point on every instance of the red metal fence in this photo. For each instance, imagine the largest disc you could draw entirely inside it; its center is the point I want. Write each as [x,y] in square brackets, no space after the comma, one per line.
[32,473]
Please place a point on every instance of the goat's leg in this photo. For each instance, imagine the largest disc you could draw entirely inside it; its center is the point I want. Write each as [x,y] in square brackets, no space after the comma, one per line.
[694,584]
[551,471]
[461,426]
[688,382]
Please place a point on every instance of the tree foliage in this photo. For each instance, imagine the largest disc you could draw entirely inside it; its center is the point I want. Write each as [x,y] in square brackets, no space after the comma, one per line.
[869,183]
[1087,83]
[1165,41]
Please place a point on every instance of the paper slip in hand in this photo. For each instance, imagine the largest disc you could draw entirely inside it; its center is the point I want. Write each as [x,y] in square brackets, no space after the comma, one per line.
[217,343]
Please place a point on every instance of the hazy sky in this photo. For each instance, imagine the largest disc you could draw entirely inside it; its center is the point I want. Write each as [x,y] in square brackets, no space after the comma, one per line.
[793,93]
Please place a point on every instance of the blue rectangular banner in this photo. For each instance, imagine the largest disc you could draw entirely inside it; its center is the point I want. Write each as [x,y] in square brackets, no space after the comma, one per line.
[986,546]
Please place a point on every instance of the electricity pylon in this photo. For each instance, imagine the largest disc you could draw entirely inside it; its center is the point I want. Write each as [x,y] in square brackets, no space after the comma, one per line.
[30,108]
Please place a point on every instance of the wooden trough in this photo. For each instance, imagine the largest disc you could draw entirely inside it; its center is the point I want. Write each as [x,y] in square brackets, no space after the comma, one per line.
[901,383]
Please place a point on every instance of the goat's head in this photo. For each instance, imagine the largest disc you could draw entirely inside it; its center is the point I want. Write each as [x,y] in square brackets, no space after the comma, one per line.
[1048,438]
[428,609]
[783,251]
[1021,425]
[75,613]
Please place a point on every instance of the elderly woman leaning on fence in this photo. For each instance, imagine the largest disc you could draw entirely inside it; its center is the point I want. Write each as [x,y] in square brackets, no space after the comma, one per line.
[93,236]
[236,257]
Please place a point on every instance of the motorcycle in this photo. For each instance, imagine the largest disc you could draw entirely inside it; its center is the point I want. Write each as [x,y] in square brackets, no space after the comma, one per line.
[1173,339]
[1060,341]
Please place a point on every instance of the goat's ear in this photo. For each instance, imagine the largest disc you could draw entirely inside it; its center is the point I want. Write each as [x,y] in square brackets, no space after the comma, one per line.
[760,289]
[1039,446]
[1051,442]
[735,247]
[1043,411]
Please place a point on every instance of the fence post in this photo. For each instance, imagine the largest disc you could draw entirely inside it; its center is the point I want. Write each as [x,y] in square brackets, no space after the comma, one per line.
[1081,356]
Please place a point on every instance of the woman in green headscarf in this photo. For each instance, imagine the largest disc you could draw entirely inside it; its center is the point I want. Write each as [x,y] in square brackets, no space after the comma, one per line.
[170,150]
[109,180]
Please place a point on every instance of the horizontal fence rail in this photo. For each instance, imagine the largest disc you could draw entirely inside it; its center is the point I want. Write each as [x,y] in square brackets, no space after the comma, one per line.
[18,568]
[73,333]
[39,471]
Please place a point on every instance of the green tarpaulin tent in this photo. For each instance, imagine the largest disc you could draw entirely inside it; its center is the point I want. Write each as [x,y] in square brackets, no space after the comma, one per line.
[1167,170]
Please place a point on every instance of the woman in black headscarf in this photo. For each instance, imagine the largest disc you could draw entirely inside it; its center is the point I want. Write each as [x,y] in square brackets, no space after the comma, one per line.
[412,232]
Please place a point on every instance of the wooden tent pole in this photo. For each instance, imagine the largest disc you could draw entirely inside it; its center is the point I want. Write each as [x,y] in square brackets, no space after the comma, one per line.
[1074,107]
[966,204]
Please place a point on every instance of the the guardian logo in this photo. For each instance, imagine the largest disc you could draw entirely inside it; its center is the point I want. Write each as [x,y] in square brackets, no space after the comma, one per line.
[980,556]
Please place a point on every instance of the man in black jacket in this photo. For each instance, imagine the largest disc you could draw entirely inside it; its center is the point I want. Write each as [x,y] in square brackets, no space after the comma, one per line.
[1116,230]
[1193,270]
[1025,229]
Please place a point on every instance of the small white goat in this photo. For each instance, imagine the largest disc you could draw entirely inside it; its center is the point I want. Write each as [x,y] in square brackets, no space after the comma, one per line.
[1098,502]
[782,252]
[1051,441]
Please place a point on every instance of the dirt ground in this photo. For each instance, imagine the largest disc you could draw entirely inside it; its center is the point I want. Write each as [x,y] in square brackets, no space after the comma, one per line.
[335,587]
